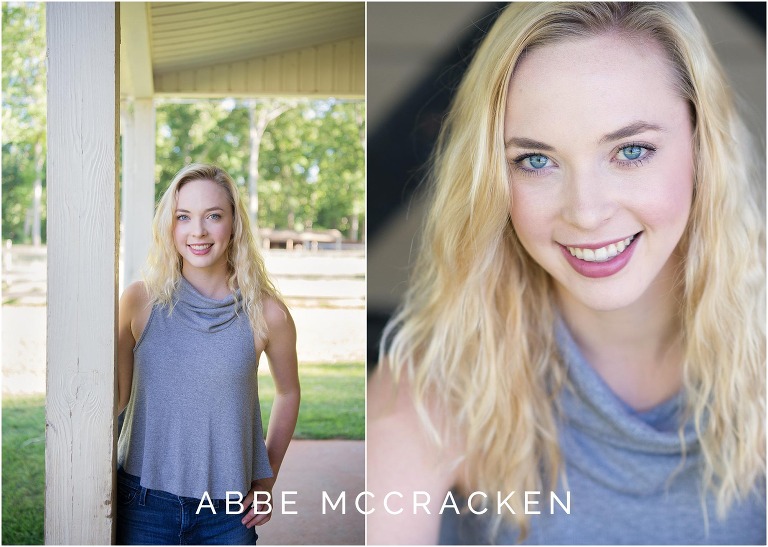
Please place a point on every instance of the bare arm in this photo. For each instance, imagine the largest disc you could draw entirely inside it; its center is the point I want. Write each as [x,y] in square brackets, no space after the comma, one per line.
[283,363]
[401,458]
[131,303]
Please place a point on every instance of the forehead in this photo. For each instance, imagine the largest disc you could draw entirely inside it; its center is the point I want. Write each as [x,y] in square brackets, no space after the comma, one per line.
[201,192]
[592,85]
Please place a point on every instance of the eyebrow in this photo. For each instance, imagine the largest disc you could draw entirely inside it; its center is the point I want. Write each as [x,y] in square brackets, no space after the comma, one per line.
[632,129]
[627,131]
[522,142]
[206,211]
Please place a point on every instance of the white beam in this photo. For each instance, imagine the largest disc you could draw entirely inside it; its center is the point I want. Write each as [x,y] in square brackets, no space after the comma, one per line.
[136,51]
[82,41]
[138,186]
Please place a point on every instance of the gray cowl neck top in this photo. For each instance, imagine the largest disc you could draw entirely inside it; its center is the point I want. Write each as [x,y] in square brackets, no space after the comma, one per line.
[628,480]
[193,423]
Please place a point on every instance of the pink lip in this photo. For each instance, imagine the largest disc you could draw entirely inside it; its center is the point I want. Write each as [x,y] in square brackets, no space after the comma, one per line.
[200,253]
[600,269]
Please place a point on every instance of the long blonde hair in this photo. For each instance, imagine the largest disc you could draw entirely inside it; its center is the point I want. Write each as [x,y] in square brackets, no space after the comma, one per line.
[474,336]
[245,265]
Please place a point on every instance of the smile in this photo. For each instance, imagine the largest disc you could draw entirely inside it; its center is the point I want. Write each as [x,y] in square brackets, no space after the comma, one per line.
[603,254]
[200,249]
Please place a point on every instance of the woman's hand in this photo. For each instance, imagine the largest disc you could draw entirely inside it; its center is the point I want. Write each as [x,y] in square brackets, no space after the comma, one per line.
[262,511]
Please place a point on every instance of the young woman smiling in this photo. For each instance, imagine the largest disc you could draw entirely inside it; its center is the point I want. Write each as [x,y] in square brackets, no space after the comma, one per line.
[587,314]
[189,342]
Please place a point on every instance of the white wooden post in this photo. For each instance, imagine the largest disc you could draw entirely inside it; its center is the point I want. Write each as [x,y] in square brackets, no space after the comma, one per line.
[138,186]
[83,41]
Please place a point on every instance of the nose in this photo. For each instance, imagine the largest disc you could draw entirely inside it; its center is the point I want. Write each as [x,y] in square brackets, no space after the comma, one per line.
[198,228]
[588,199]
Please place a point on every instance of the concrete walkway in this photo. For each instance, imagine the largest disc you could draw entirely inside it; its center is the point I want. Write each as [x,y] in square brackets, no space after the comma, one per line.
[309,469]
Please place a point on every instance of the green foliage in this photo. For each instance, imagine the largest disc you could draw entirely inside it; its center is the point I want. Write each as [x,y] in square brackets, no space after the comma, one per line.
[200,131]
[311,157]
[313,167]
[23,113]
[311,172]
[23,470]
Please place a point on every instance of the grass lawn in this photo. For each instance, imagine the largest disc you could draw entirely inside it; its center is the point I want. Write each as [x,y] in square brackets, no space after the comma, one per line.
[23,470]
[332,407]
[332,401]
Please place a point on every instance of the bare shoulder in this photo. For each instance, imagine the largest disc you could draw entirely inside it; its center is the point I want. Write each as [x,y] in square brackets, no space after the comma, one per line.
[134,307]
[391,399]
[135,294]
[281,331]
[276,315]
[387,396]
[403,457]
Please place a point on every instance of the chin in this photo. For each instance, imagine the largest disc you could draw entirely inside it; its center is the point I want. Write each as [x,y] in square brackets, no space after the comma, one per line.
[603,298]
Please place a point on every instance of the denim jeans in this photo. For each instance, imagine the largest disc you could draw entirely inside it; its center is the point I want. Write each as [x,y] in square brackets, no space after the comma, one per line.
[154,517]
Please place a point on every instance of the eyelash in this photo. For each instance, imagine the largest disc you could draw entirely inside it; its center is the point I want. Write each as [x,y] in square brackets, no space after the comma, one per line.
[650,151]
[517,164]
[185,217]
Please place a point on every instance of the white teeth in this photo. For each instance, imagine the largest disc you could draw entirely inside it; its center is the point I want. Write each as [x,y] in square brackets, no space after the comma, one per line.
[603,254]
[201,247]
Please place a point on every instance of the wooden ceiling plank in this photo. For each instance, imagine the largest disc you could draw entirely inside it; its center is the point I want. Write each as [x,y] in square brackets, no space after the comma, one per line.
[255,25]
[240,10]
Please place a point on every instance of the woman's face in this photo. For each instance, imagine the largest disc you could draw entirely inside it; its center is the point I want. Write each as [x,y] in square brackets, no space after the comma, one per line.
[202,226]
[600,155]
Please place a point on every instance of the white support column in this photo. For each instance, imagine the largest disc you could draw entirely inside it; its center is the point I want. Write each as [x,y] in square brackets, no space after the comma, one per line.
[138,187]
[83,41]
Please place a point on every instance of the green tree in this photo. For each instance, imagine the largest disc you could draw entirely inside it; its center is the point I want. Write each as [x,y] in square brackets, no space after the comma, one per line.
[24,120]
[200,131]
[310,155]
[313,168]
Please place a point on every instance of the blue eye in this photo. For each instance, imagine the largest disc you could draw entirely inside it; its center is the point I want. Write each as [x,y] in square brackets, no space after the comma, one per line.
[215,216]
[533,163]
[182,217]
[537,161]
[632,152]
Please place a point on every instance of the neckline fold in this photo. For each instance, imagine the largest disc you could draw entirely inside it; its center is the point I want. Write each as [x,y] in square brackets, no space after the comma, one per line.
[203,313]
[596,425]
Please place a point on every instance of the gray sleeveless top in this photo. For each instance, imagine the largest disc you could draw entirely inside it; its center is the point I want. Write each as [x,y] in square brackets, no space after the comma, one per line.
[193,422]
[628,481]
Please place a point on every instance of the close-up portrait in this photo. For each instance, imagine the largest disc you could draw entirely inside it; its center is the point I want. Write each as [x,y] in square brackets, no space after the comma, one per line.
[567,274]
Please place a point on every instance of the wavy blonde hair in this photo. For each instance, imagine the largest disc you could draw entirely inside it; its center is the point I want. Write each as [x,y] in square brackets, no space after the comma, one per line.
[474,336]
[245,264]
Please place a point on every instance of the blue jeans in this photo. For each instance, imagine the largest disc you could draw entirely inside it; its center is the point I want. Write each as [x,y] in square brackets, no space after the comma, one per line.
[154,517]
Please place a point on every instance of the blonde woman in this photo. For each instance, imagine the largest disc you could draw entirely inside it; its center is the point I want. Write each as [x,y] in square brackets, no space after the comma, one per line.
[580,356]
[189,342]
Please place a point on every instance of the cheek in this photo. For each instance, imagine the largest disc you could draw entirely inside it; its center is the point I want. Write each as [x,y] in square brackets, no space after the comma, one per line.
[530,211]
[227,230]
[177,234]
[668,199]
